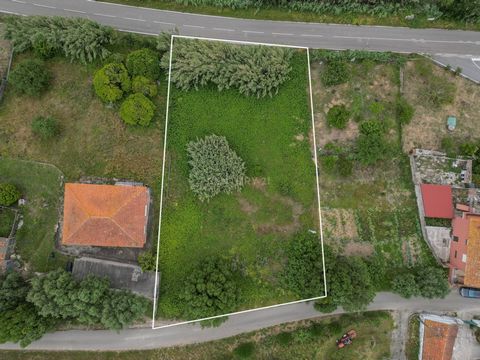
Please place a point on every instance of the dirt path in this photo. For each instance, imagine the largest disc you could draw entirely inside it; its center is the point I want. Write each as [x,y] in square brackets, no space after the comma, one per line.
[399,335]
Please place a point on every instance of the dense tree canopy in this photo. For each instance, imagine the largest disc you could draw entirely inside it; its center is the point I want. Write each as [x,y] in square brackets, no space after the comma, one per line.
[111,82]
[143,62]
[214,167]
[304,268]
[253,70]
[210,289]
[142,85]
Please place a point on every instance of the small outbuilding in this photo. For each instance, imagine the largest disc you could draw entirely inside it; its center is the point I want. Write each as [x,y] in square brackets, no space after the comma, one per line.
[437,201]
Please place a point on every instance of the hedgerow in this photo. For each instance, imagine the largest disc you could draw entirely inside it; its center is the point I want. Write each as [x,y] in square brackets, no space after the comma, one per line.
[253,70]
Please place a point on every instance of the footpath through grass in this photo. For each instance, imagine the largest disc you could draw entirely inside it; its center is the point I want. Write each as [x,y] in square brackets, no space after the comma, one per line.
[313,339]
[255,226]
[275,13]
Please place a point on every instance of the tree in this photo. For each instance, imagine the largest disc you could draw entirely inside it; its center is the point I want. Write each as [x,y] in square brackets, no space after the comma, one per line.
[338,116]
[405,285]
[9,194]
[23,324]
[371,144]
[210,289]
[142,85]
[253,70]
[30,77]
[45,43]
[304,269]
[111,82]
[143,62]
[137,109]
[432,282]
[335,72]
[13,291]
[121,308]
[214,167]
[45,127]
[88,299]
[51,295]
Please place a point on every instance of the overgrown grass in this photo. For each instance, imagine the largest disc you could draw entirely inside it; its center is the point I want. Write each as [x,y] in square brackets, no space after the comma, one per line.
[41,186]
[412,347]
[274,13]
[302,340]
[254,226]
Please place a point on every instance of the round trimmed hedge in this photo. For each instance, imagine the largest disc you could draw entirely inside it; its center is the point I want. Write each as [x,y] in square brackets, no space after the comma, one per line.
[9,194]
[143,62]
[137,109]
[111,82]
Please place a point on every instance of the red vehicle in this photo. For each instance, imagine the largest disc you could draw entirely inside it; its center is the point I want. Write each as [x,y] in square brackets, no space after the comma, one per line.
[346,339]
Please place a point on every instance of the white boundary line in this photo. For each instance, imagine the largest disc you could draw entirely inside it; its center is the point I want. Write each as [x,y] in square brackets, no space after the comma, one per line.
[155,301]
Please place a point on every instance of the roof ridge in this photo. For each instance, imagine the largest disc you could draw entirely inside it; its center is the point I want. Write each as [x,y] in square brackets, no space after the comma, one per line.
[72,190]
[128,201]
[132,240]
[79,228]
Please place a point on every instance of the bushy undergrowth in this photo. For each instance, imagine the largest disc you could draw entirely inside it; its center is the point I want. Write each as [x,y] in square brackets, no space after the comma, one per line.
[336,72]
[253,70]
[30,77]
[338,116]
[76,38]
[45,127]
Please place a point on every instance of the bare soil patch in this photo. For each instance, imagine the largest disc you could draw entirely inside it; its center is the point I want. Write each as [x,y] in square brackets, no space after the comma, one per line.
[358,249]
[340,223]
[428,125]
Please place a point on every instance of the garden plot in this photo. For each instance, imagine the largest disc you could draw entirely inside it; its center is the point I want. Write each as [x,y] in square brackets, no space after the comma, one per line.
[254,227]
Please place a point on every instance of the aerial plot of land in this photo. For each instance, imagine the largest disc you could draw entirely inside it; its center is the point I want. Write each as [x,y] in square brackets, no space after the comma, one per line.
[254,227]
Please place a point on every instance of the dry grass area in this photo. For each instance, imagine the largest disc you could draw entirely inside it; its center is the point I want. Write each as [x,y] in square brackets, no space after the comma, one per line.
[428,125]
[4,52]
[93,139]
[369,83]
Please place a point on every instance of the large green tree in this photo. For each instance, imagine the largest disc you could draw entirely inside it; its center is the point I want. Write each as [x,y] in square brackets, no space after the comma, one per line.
[405,284]
[304,269]
[210,289]
[88,299]
[137,109]
[143,62]
[121,308]
[432,282]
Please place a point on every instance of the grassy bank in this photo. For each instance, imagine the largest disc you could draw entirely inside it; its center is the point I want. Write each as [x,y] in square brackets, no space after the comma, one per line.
[273,13]
[302,340]
[271,136]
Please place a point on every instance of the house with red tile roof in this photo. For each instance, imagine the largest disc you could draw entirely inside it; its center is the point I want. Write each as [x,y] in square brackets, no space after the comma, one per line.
[105,215]
[437,336]
[437,201]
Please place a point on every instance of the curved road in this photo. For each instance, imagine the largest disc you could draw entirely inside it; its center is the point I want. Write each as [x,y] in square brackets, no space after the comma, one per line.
[146,338]
[454,47]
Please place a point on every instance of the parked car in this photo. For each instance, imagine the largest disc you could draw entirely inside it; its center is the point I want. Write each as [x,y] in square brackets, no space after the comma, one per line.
[470,292]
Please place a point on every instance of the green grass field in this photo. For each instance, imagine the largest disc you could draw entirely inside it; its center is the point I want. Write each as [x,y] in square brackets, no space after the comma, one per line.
[7,217]
[256,225]
[313,339]
[41,186]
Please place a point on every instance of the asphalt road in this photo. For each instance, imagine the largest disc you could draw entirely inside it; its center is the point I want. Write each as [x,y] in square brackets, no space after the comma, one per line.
[454,47]
[146,338]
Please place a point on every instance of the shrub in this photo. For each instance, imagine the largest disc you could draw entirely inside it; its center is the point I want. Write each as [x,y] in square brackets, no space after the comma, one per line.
[404,111]
[371,144]
[432,282]
[468,149]
[284,338]
[329,163]
[405,285]
[137,109]
[335,72]
[45,127]
[148,260]
[45,44]
[111,82]
[142,85]
[78,39]
[30,77]
[338,116]
[9,194]
[245,350]
[449,146]
[143,62]
[253,70]
[210,289]
[214,167]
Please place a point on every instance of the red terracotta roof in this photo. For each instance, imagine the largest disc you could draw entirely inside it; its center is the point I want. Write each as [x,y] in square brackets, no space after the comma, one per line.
[472,268]
[105,215]
[437,201]
[438,340]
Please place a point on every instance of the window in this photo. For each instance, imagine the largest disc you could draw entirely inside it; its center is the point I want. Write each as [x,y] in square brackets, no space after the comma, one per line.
[455,238]
[455,254]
